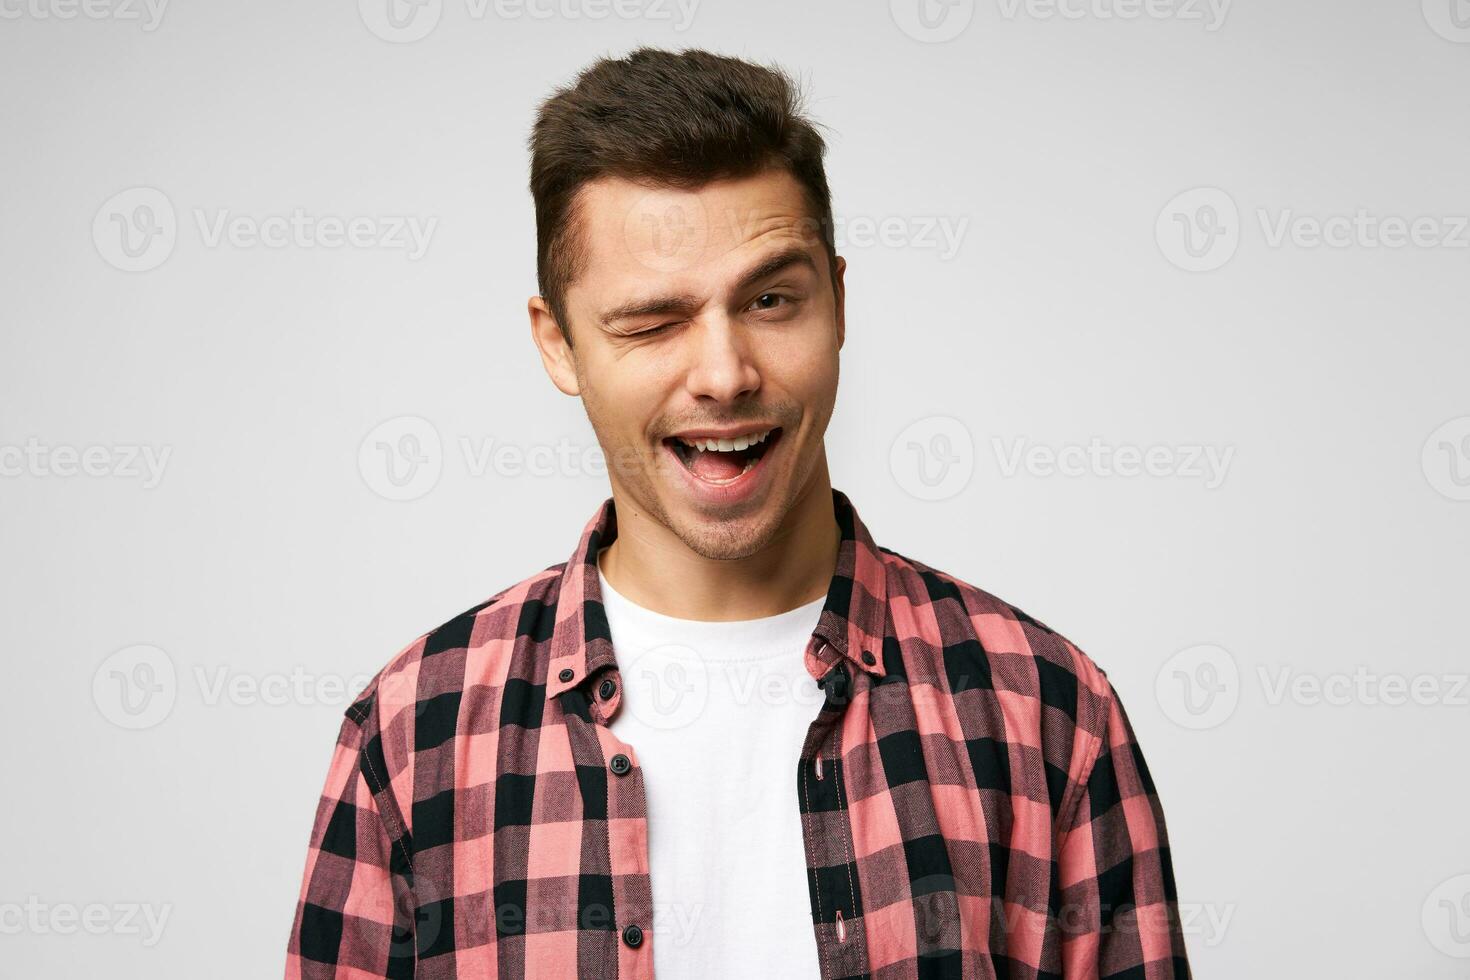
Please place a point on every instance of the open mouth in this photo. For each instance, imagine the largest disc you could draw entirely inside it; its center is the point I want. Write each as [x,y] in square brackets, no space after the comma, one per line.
[721,461]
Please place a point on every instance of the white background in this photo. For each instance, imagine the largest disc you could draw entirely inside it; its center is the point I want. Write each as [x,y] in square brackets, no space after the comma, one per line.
[1325,831]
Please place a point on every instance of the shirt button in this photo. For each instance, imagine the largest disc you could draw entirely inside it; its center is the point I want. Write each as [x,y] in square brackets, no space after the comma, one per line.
[620,765]
[632,935]
[835,683]
[567,674]
[869,659]
[606,688]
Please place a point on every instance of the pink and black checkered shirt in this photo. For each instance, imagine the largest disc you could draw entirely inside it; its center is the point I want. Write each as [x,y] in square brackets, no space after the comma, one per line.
[971,796]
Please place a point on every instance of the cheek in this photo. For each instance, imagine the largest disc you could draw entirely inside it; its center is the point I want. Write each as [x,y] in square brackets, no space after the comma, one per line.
[807,370]
[621,399]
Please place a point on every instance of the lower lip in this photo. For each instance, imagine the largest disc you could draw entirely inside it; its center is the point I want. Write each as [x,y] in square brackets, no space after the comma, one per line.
[738,490]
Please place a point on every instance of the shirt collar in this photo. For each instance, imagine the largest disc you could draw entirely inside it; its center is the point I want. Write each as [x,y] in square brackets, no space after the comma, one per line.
[853,620]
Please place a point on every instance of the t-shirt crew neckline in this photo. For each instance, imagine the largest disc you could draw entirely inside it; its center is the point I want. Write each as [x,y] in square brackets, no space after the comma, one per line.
[734,639]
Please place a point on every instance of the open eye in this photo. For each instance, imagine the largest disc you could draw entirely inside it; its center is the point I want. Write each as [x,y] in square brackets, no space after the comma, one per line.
[759,304]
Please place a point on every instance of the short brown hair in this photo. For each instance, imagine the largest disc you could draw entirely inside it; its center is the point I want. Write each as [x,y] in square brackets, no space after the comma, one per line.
[680,119]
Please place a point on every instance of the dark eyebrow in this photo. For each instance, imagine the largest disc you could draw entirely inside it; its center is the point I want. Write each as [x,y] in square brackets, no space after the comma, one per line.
[684,304]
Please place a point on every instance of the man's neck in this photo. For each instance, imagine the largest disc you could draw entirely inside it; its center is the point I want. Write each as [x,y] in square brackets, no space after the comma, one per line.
[652,567]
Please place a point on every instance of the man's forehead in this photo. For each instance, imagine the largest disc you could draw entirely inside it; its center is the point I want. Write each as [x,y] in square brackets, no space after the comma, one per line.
[630,226]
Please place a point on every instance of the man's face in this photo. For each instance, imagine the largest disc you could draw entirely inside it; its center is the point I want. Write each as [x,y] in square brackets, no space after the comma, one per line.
[705,313]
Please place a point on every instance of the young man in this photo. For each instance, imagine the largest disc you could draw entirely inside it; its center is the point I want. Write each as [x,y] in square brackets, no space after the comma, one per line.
[729,736]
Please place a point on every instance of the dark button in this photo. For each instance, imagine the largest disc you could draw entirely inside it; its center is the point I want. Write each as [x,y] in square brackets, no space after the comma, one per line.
[620,765]
[606,688]
[869,659]
[632,935]
[835,684]
[567,673]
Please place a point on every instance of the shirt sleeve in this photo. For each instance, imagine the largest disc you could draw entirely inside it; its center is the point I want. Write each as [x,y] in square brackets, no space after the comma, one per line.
[353,917]
[1119,914]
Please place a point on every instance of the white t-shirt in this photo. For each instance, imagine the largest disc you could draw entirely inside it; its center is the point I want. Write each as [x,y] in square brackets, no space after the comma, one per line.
[716,713]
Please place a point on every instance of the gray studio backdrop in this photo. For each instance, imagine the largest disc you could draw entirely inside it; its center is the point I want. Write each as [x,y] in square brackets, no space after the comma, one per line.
[1157,328]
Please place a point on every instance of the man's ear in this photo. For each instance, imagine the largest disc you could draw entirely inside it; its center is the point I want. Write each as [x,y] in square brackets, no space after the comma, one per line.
[839,288]
[556,353]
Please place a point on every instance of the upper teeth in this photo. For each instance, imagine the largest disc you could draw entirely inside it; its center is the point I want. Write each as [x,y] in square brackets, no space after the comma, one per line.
[727,445]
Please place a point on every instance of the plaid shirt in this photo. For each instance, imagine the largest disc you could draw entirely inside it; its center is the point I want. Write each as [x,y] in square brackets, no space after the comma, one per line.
[971,796]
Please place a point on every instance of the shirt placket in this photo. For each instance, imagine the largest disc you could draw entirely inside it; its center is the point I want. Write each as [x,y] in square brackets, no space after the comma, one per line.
[836,903]
[615,842]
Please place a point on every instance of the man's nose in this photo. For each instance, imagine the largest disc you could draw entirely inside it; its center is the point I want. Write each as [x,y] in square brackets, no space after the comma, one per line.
[722,364]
